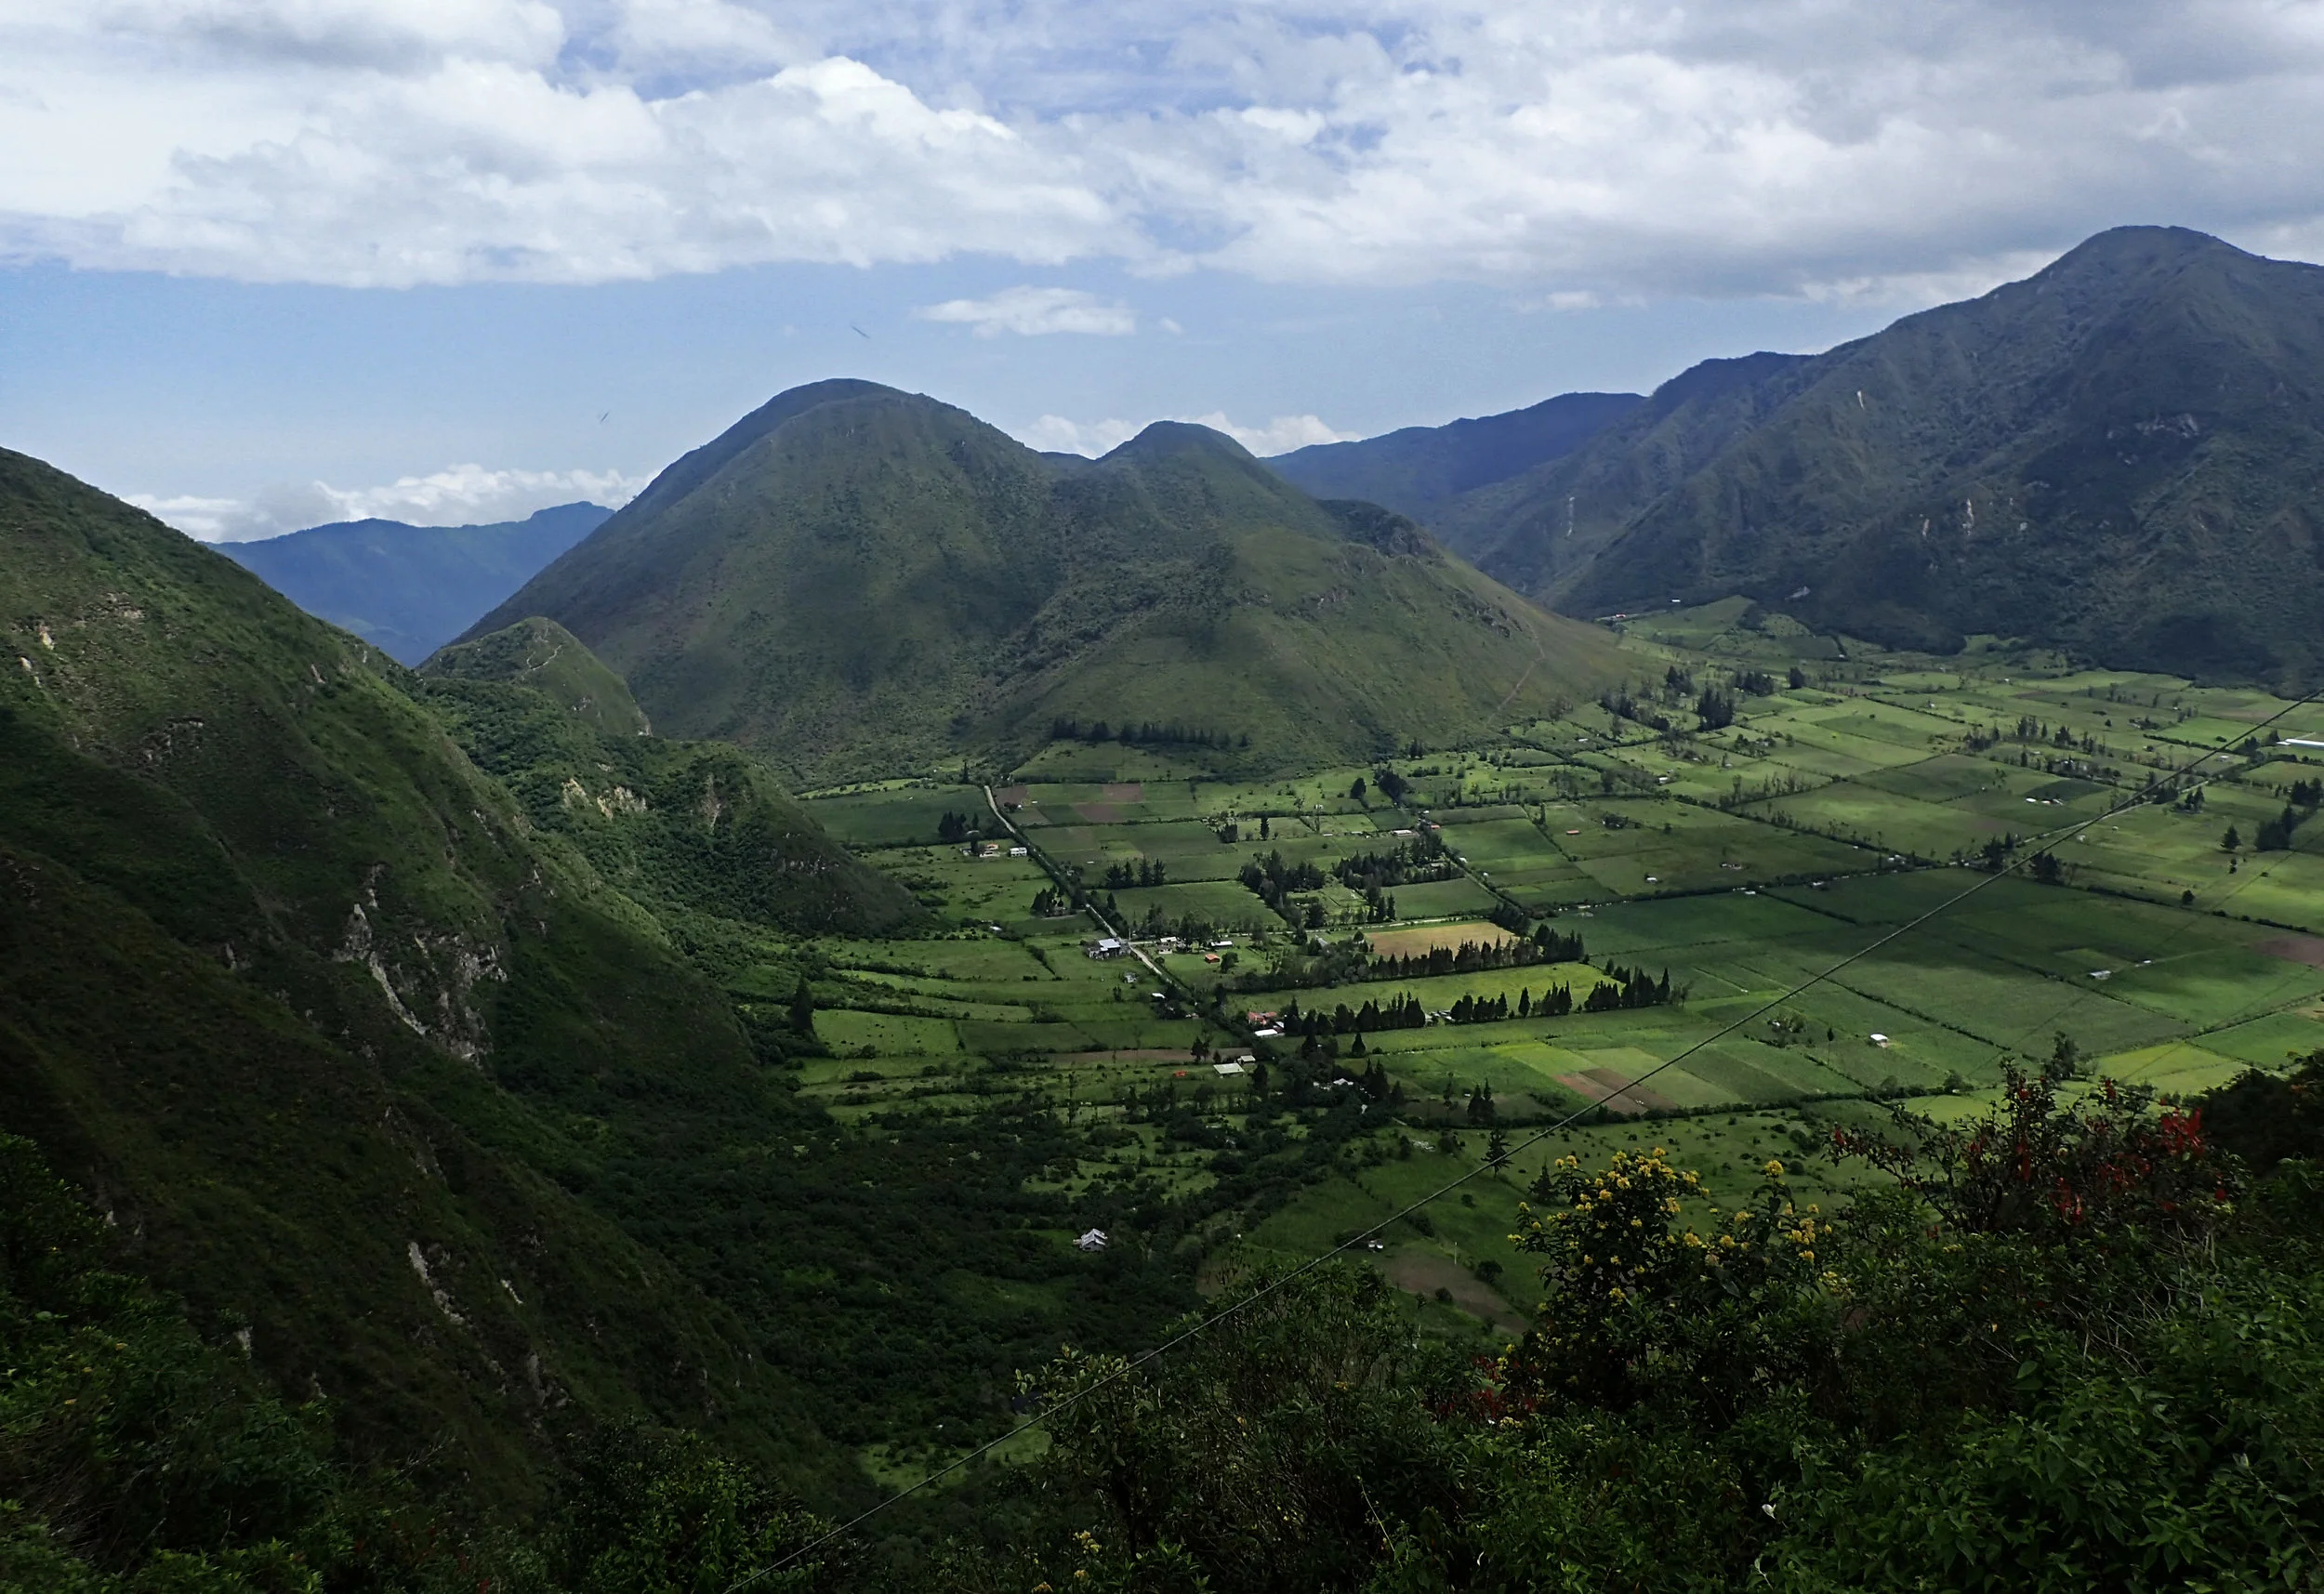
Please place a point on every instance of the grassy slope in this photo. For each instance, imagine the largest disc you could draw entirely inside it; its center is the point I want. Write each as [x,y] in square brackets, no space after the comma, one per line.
[876,581]
[683,826]
[543,656]
[2121,453]
[287,983]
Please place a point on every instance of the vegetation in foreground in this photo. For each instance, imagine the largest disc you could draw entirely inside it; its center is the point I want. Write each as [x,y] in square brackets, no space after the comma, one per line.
[2072,1345]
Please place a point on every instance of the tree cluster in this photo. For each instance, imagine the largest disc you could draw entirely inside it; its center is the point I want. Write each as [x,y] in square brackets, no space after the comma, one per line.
[1145,733]
[1544,945]
[1620,703]
[2066,1352]
[1399,1012]
[1120,876]
[1272,879]
[2275,834]
[1626,987]
[1412,863]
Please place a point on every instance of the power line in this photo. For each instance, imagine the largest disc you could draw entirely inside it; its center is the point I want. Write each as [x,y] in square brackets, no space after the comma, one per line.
[2157,788]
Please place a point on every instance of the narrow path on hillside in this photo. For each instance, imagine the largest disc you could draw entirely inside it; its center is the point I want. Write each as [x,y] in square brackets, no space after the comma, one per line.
[1540,652]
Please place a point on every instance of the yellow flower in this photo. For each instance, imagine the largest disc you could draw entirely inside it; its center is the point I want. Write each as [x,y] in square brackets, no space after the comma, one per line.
[1774,1169]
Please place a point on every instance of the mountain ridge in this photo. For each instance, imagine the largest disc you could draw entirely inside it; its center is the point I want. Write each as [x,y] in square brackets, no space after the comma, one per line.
[2119,455]
[879,582]
[1414,471]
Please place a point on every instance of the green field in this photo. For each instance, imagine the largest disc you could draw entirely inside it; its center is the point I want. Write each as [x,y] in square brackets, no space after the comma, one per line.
[1809,877]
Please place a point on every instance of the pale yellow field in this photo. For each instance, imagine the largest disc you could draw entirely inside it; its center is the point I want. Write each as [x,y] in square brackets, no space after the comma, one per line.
[1428,938]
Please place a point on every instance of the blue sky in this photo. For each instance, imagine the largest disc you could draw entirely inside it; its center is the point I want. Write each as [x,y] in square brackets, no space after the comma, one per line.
[265,262]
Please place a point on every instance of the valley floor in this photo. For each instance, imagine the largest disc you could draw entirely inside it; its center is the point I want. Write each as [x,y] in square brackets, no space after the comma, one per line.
[1852,793]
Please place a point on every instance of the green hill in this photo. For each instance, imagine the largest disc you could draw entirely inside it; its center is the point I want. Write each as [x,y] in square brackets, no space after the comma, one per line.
[2123,455]
[857,581]
[543,656]
[345,1049]
[409,589]
[684,827]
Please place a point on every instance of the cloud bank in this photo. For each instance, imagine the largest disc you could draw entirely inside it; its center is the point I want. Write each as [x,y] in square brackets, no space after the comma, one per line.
[457,495]
[1031,312]
[1562,147]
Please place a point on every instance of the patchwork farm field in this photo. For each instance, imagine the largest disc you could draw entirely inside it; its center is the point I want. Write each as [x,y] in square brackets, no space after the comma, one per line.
[1875,882]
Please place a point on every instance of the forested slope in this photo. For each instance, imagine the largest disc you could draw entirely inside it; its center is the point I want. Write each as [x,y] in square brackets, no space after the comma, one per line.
[289,987]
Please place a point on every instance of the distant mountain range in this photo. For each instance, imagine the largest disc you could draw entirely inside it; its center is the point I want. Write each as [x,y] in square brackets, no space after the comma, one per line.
[407,589]
[1422,470]
[853,581]
[2123,454]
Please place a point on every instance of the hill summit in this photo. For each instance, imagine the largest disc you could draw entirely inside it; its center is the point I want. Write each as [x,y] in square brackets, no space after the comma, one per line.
[2122,454]
[854,580]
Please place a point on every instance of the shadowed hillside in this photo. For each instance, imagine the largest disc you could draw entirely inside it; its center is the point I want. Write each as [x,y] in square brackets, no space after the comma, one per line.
[858,581]
[285,981]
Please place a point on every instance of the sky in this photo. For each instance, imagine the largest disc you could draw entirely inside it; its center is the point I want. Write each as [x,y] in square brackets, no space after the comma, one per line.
[265,263]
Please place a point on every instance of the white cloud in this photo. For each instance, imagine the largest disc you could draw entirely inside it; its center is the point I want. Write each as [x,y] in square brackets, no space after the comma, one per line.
[1280,435]
[1565,148]
[1056,434]
[457,495]
[1030,312]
